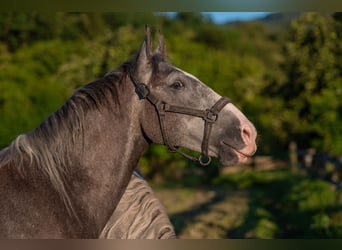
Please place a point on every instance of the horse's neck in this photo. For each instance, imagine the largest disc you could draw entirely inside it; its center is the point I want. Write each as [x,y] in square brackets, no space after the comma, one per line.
[112,147]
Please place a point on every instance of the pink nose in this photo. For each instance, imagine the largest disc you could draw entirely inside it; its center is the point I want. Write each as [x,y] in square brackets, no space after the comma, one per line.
[249,135]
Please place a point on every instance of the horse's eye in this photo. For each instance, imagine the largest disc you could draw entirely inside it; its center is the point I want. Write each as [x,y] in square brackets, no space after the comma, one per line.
[177,85]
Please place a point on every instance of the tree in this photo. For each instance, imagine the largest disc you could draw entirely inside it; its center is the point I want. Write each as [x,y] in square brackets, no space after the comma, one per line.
[311,92]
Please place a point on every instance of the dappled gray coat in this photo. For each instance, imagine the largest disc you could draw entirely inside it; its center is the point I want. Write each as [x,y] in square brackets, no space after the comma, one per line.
[139,215]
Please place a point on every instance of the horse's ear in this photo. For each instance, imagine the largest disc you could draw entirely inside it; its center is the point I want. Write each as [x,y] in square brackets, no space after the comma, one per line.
[143,66]
[161,49]
[145,53]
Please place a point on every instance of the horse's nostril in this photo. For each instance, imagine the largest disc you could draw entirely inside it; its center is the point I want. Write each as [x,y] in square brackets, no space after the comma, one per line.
[247,133]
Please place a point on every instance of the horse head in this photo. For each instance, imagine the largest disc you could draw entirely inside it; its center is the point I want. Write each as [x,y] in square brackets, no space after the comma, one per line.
[181,111]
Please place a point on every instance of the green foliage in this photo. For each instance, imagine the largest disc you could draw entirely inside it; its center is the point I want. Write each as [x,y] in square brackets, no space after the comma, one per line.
[310,196]
[310,94]
[286,80]
[284,204]
[23,102]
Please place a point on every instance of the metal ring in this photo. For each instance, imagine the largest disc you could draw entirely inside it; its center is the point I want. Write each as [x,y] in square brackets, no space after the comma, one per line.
[210,116]
[204,160]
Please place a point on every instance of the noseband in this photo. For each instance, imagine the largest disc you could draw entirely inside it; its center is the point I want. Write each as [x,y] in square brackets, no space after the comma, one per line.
[209,116]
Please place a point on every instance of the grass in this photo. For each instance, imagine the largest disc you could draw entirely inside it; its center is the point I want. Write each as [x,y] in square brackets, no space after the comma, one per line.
[277,203]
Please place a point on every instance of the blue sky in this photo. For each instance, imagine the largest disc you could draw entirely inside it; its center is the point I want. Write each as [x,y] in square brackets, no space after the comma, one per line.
[223,17]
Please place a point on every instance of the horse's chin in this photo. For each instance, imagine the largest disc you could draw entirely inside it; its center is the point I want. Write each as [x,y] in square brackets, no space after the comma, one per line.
[230,157]
[229,162]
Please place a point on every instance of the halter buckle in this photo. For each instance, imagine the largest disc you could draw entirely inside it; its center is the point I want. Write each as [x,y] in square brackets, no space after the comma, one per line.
[162,107]
[210,116]
[142,90]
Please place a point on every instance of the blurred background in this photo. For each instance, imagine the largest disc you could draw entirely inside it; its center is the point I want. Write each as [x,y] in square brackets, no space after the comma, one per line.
[283,70]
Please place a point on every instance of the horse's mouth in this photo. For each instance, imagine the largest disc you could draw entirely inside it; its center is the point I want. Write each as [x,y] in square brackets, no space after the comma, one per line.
[242,156]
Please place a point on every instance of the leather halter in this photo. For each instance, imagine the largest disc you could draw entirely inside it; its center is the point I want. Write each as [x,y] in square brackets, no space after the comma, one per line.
[209,116]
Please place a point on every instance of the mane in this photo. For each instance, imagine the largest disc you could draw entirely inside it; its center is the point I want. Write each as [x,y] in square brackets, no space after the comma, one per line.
[139,215]
[48,150]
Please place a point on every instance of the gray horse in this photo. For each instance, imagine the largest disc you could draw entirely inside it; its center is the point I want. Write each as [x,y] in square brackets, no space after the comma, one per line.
[139,215]
[66,177]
